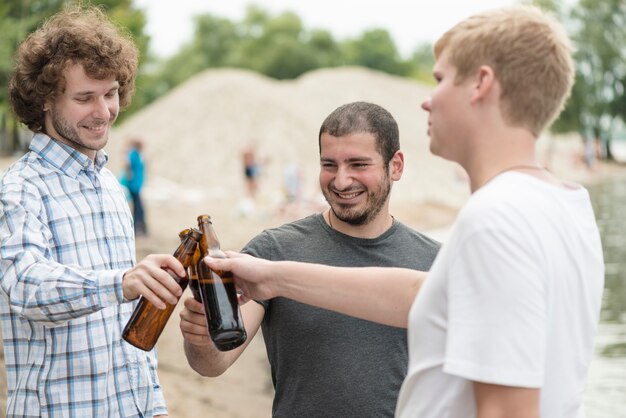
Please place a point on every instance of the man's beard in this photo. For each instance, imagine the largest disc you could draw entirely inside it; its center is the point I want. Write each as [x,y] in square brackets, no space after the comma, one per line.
[69,133]
[375,202]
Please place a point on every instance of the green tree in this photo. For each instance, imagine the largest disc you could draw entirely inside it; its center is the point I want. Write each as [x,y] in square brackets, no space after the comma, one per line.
[600,37]
[325,49]
[212,45]
[19,18]
[422,63]
[275,46]
[597,104]
[375,49]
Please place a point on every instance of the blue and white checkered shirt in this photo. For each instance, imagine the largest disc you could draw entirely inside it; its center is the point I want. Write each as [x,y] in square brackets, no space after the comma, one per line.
[66,239]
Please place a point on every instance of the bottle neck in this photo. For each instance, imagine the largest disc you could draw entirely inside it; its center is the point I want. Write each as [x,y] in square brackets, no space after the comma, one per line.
[185,251]
[210,245]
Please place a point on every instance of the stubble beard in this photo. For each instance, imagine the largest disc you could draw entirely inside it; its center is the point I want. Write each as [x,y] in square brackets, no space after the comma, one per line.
[375,203]
[70,135]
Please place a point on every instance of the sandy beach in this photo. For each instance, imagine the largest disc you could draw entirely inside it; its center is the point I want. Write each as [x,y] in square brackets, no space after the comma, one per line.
[194,137]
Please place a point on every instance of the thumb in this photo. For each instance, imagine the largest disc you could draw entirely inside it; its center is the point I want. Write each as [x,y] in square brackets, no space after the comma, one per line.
[216,263]
[233,254]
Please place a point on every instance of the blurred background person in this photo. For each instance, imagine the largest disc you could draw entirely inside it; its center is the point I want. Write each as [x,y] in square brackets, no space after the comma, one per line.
[133,179]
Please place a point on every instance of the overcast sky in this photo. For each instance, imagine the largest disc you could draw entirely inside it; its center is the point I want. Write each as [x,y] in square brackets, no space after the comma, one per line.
[410,22]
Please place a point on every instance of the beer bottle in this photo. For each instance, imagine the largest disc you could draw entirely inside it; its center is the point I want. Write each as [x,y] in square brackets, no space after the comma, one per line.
[218,294]
[147,321]
[193,273]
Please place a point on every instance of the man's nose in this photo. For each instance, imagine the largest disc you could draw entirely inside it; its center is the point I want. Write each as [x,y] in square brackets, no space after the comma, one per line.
[343,178]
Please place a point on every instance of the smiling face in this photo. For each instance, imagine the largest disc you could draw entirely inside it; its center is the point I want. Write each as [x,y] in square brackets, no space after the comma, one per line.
[82,115]
[353,178]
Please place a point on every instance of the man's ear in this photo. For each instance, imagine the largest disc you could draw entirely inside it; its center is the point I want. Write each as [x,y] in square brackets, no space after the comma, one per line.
[484,83]
[396,166]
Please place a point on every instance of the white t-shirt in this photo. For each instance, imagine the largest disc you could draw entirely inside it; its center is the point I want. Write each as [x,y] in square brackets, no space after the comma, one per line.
[512,299]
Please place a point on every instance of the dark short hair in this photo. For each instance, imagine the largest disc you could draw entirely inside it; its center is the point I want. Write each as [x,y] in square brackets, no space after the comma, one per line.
[76,35]
[359,117]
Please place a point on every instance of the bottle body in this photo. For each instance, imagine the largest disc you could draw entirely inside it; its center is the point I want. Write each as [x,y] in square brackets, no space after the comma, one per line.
[147,321]
[193,276]
[218,294]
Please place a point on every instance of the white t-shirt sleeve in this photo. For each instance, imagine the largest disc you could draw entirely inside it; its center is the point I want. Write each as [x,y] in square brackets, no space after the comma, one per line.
[497,308]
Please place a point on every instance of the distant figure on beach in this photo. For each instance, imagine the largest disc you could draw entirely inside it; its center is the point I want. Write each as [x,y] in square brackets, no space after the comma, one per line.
[67,250]
[133,179]
[251,170]
[292,203]
[504,323]
[292,182]
[325,364]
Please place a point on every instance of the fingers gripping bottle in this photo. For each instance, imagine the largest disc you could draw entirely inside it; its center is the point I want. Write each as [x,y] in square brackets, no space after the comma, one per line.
[218,293]
[147,321]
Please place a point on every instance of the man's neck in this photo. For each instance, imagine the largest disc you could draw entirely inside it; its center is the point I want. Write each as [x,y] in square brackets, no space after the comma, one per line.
[510,149]
[373,229]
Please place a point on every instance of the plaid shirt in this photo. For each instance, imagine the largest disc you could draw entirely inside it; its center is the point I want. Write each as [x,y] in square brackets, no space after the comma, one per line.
[66,239]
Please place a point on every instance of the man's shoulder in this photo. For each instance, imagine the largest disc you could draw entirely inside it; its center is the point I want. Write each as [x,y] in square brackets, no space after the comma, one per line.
[286,234]
[24,170]
[417,236]
[295,228]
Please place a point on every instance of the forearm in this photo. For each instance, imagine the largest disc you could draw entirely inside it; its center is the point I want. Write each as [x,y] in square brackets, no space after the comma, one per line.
[378,294]
[206,360]
[53,294]
[201,354]
[40,288]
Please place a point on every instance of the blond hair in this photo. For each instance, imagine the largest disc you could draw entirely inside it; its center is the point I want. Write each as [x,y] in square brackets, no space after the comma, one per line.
[530,55]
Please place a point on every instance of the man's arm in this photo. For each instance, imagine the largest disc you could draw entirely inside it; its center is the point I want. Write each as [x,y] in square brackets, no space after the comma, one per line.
[201,354]
[496,401]
[378,294]
[44,290]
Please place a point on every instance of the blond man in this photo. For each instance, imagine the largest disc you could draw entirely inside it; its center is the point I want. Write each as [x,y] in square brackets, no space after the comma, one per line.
[504,324]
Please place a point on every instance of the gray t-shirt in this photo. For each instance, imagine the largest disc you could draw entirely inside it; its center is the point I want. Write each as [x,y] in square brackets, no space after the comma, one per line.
[325,364]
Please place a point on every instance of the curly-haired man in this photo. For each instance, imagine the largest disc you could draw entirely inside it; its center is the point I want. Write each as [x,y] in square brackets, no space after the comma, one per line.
[67,251]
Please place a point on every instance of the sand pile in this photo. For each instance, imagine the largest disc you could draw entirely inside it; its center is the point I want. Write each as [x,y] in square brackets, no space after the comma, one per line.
[195,134]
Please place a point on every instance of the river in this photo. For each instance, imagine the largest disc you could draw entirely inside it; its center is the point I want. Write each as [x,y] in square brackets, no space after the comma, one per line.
[606,388]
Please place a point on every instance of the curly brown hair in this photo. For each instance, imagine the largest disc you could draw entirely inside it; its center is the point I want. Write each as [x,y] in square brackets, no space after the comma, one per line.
[77,35]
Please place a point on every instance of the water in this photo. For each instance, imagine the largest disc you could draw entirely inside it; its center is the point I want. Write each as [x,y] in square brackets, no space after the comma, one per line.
[606,386]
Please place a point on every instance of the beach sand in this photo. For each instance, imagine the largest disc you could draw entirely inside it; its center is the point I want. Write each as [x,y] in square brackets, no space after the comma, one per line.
[193,138]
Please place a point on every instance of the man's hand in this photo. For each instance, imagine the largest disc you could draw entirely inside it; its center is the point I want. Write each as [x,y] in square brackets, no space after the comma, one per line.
[253,276]
[193,323]
[150,279]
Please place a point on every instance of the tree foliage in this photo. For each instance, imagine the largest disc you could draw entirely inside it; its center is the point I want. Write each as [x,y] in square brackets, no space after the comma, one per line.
[18,18]
[375,49]
[598,32]
[280,46]
[601,67]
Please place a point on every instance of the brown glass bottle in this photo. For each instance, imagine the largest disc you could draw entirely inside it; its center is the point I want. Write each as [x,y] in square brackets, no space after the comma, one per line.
[193,273]
[147,321]
[218,293]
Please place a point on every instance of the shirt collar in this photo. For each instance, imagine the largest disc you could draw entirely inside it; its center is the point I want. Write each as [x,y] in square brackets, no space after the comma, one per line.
[64,157]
